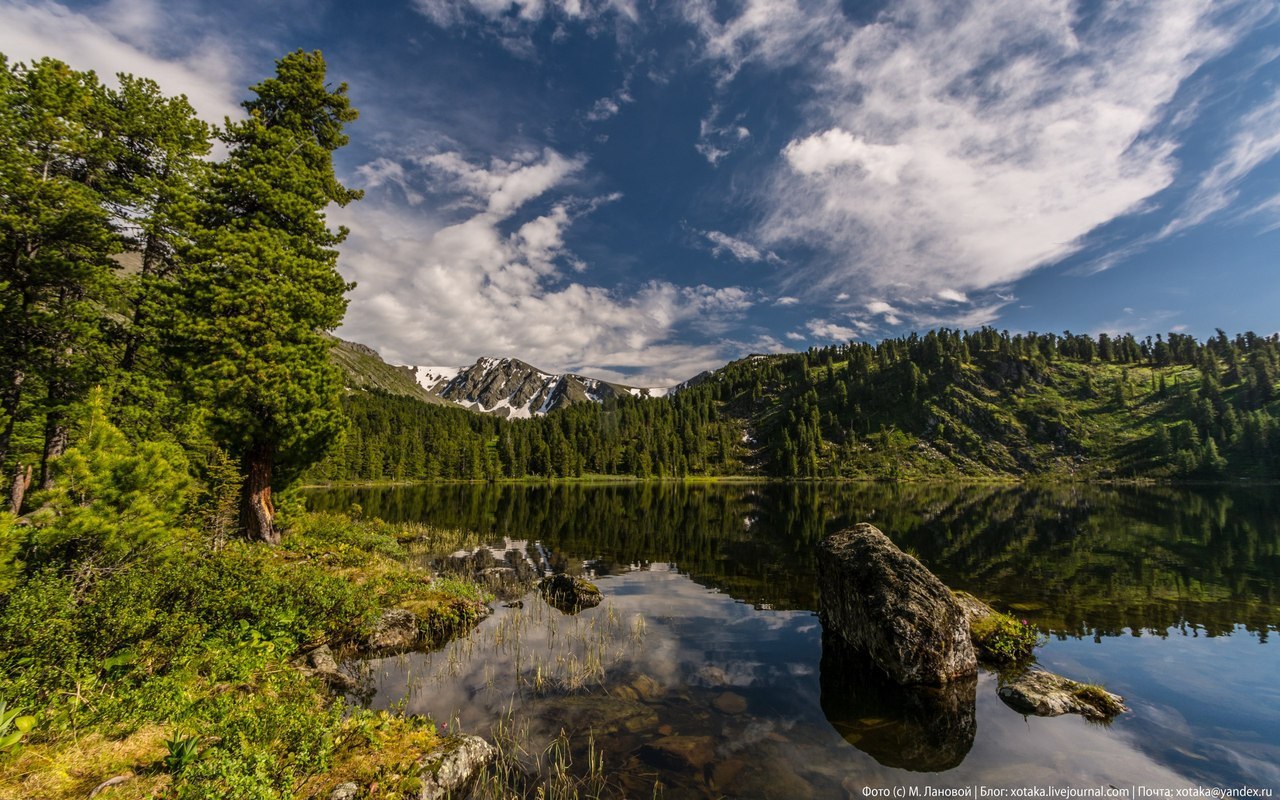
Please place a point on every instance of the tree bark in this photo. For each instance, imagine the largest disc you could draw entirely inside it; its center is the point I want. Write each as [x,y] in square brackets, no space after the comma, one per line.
[257,512]
[12,400]
[56,435]
[18,492]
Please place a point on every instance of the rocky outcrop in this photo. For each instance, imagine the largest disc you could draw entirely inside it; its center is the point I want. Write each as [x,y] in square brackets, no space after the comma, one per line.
[569,594]
[448,770]
[918,728]
[1045,694]
[396,629]
[885,603]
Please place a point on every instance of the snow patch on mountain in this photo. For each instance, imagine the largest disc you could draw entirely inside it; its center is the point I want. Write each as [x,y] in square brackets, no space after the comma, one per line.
[510,388]
[430,378]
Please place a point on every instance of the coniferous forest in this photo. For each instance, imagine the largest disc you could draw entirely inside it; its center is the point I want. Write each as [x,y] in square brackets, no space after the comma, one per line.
[981,404]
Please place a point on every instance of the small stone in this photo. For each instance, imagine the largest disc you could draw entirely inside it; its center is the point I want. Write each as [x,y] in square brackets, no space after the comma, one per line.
[569,594]
[730,703]
[724,773]
[666,730]
[448,770]
[646,687]
[324,665]
[1045,694]
[344,791]
[680,752]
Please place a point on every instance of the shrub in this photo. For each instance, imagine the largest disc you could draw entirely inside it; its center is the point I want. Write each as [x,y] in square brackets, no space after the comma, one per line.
[1004,640]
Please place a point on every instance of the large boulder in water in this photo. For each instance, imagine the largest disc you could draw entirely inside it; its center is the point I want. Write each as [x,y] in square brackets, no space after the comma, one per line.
[918,728]
[885,603]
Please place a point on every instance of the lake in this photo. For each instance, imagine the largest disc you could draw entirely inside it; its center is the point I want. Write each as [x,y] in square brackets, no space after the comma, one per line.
[704,671]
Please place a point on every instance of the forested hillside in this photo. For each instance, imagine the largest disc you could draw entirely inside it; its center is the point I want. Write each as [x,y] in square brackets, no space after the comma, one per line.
[948,403]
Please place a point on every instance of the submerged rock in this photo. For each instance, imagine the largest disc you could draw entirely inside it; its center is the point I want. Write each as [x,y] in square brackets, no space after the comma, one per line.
[885,603]
[918,728]
[1045,694]
[448,770]
[569,594]
[396,629]
[730,703]
[689,753]
[603,714]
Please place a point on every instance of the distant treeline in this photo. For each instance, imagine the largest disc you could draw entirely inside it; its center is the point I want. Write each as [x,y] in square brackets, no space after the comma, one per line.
[979,403]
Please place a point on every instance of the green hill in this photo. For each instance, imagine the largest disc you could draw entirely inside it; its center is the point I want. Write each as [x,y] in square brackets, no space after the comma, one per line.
[945,404]
[366,371]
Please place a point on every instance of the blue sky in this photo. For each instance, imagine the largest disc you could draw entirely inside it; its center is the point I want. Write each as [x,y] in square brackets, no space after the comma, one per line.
[642,190]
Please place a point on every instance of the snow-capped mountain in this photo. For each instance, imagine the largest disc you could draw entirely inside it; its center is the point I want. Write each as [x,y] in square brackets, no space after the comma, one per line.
[511,388]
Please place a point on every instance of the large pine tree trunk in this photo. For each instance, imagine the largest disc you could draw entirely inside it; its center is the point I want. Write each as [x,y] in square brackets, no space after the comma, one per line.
[18,490]
[56,436]
[257,512]
[9,407]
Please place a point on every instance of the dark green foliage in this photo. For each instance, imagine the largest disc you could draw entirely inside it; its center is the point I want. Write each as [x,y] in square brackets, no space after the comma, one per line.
[182,751]
[260,284]
[111,500]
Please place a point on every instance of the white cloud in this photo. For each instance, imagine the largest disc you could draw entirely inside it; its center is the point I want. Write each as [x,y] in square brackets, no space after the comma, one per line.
[776,32]
[609,107]
[881,308]
[604,108]
[384,171]
[1255,142]
[836,148]
[953,147]
[796,336]
[716,139]
[133,36]
[741,250]
[840,298]
[821,329]
[787,301]
[512,21]
[490,283]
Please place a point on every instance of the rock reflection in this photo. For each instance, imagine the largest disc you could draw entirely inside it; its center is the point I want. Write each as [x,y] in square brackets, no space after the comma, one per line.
[922,729]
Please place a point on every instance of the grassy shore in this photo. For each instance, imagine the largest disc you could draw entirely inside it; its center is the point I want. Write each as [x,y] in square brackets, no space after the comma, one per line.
[178,671]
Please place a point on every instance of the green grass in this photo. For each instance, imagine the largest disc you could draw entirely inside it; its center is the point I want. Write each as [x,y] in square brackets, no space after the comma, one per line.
[202,642]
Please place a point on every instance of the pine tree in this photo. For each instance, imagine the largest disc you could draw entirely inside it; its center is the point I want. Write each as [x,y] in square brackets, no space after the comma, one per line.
[261,284]
[56,241]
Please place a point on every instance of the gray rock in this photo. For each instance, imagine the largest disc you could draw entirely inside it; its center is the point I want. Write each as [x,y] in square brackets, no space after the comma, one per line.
[396,629]
[569,594]
[449,769]
[323,664]
[886,603]
[1045,694]
[344,791]
[974,609]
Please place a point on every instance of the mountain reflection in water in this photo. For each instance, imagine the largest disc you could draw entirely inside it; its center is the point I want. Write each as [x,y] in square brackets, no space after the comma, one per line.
[725,686]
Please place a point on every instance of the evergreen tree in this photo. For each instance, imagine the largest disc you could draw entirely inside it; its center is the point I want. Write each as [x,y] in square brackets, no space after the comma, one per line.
[56,242]
[261,285]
